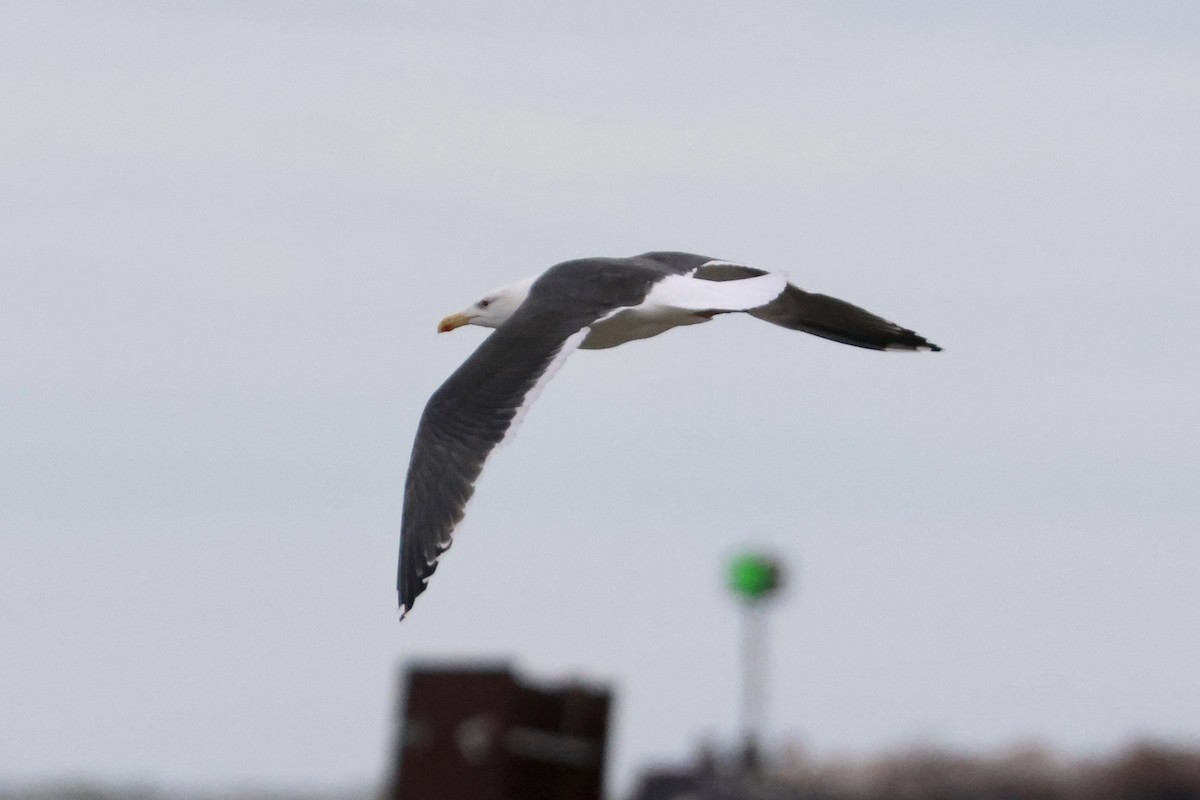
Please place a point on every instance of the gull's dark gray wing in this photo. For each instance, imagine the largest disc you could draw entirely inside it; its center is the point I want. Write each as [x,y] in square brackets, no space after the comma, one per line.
[463,422]
[824,316]
[475,408]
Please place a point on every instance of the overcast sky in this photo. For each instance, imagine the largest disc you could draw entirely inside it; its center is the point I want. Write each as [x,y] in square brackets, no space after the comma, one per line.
[228,230]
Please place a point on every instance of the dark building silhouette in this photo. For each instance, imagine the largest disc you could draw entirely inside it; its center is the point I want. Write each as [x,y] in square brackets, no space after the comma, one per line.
[471,732]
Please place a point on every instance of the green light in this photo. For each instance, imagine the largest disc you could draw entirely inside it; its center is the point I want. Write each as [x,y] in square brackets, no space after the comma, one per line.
[754,576]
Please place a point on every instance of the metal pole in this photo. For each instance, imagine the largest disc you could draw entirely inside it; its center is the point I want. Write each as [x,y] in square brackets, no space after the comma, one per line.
[754,578]
[754,657]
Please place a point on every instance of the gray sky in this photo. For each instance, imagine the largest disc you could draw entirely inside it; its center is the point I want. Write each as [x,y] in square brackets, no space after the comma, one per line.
[227,234]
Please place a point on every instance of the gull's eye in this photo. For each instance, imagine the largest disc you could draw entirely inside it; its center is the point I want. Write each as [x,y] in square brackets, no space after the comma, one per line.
[484,303]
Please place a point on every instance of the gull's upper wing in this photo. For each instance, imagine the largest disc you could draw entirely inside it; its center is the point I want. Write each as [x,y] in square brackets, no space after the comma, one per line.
[824,316]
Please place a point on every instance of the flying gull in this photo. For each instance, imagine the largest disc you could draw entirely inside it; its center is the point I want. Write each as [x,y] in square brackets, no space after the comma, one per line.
[590,303]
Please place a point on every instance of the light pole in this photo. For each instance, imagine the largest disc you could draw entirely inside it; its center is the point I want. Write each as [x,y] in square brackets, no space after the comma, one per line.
[754,578]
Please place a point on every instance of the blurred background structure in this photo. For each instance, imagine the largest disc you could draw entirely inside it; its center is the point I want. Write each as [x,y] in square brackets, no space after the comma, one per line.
[755,578]
[479,732]
[476,730]
[1145,771]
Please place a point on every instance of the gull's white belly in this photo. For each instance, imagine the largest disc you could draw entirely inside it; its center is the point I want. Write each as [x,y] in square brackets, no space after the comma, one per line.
[638,322]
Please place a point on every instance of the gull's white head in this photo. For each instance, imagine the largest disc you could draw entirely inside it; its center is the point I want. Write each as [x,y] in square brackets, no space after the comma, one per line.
[491,310]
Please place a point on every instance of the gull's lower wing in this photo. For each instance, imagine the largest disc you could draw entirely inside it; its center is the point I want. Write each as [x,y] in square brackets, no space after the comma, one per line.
[464,420]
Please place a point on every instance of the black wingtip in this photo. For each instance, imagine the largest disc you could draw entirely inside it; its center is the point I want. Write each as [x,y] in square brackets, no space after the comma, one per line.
[404,607]
[906,341]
